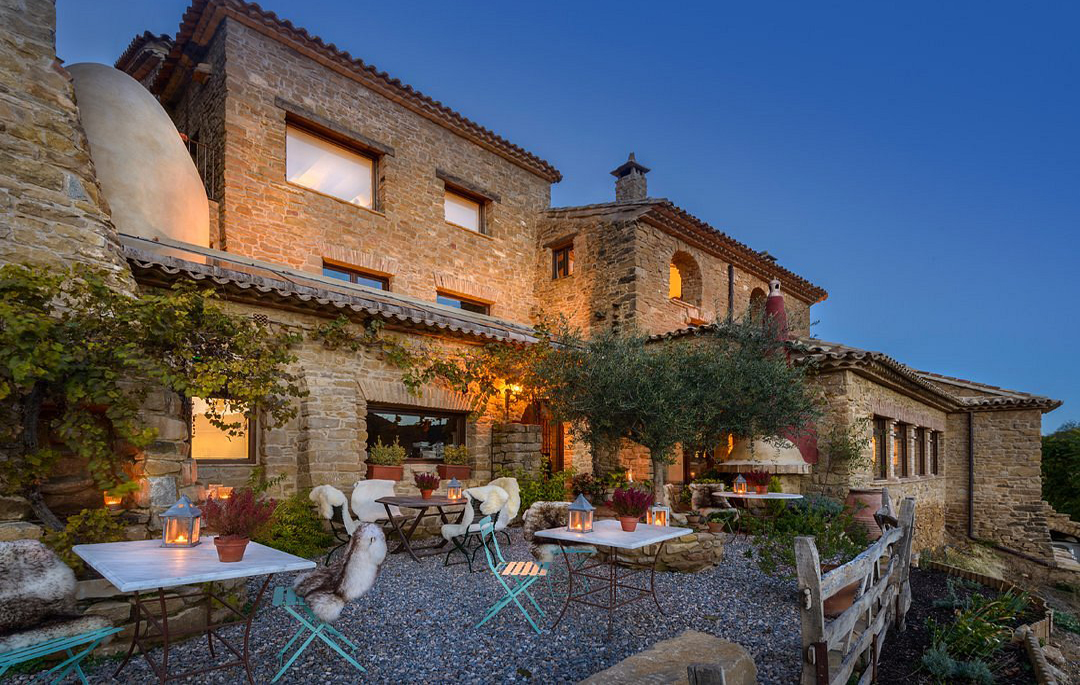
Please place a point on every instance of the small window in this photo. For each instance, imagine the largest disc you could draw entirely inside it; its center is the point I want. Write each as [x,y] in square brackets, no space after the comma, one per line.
[329,168]
[462,303]
[423,433]
[562,261]
[935,445]
[355,276]
[674,282]
[878,444]
[900,450]
[210,443]
[463,211]
[920,450]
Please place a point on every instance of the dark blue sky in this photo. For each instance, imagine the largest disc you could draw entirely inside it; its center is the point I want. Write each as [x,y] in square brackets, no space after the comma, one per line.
[919,160]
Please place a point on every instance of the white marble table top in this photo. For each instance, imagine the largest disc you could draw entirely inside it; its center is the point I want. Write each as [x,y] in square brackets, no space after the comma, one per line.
[609,533]
[146,565]
[754,495]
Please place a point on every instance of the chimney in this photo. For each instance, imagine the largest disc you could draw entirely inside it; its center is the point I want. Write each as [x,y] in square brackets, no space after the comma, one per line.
[630,181]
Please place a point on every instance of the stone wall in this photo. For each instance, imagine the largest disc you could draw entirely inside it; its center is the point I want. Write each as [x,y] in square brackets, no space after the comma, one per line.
[406,235]
[516,446]
[1007,502]
[50,200]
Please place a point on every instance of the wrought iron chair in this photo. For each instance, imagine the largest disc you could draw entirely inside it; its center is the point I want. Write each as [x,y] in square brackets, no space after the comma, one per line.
[465,535]
[515,577]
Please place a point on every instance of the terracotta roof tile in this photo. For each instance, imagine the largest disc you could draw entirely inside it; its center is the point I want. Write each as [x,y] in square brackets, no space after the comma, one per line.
[203,15]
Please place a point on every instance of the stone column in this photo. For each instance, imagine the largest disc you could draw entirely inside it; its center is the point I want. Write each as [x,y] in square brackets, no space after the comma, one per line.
[516,446]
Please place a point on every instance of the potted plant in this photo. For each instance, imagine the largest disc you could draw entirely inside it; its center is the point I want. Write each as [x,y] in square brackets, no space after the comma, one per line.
[456,463]
[693,517]
[760,480]
[629,504]
[721,521]
[236,520]
[385,461]
[685,501]
[427,483]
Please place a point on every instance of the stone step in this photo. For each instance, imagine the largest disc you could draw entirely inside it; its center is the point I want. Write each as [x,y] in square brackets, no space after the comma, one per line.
[666,662]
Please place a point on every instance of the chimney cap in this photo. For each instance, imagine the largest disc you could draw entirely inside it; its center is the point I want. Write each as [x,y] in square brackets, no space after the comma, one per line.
[629,166]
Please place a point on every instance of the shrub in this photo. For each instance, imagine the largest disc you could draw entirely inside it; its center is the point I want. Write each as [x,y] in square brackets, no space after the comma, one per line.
[726,517]
[87,527]
[242,515]
[944,668]
[539,487]
[1066,621]
[586,484]
[386,455]
[631,502]
[296,528]
[426,481]
[757,478]
[837,537]
[456,455]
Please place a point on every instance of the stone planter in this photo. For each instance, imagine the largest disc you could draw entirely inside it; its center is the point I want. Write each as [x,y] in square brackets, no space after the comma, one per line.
[864,503]
[382,472]
[231,548]
[459,471]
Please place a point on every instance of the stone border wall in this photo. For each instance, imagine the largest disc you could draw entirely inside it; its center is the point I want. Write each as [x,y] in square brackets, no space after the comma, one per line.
[1041,629]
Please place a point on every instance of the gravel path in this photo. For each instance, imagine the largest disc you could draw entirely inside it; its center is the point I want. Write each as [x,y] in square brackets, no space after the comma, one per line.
[416,626]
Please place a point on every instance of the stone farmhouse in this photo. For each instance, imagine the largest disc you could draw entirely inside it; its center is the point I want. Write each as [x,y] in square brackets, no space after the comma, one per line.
[306,184]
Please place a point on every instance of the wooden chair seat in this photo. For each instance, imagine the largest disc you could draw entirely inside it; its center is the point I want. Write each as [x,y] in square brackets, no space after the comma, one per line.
[521,568]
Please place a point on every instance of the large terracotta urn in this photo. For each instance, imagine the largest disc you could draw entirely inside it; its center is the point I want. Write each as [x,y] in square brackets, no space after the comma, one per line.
[865,502]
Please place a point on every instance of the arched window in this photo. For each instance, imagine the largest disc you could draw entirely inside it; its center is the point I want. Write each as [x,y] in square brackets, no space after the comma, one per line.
[757,302]
[684,279]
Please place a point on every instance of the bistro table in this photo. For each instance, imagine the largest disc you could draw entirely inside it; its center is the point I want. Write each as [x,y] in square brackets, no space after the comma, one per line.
[421,505]
[144,565]
[609,533]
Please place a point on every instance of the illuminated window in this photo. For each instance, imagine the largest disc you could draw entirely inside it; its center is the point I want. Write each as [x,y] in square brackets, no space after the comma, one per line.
[463,211]
[355,276]
[878,445]
[316,163]
[422,432]
[674,282]
[210,443]
[684,279]
[900,450]
[562,261]
[463,303]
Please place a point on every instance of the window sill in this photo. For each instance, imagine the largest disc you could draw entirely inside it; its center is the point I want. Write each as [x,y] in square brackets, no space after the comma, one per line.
[376,212]
[225,462]
[468,230]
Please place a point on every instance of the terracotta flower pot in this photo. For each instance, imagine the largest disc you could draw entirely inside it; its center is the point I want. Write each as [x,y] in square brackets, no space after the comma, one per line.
[693,520]
[628,523]
[426,494]
[459,471]
[381,472]
[716,526]
[230,548]
[842,600]
[761,489]
[865,502]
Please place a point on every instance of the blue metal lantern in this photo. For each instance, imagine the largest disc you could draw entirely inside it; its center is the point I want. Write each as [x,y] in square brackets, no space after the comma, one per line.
[580,518]
[453,489]
[180,524]
[739,486]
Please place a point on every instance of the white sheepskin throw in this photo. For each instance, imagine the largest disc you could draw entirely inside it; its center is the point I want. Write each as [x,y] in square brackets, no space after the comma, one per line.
[364,494]
[449,531]
[34,584]
[52,630]
[326,497]
[494,498]
[513,504]
[328,589]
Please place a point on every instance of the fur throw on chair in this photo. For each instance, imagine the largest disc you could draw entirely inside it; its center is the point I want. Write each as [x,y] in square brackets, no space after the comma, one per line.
[34,584]
[513,503]
[491,500]
[327,590]
[326,497]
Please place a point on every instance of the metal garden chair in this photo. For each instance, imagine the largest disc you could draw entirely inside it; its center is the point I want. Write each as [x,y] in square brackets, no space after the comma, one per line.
[515,577]
[295,605]
[88,642]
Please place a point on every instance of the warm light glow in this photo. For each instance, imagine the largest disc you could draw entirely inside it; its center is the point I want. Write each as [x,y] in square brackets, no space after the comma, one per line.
[453,489]
[210,442]
[630,475]
[730,444]
[461,211]
[180,524]
[113,501]
[224,492]
[674,282]
[691,475]
[515,389]
[580,522]
[739,486]
[657,515]
[315,163]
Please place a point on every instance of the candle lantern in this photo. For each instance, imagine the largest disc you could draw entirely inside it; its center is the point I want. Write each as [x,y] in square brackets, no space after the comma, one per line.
[580,516]
[453,489]
[212,490]
[180,524]
[657,515]
[739,486]
[112,501]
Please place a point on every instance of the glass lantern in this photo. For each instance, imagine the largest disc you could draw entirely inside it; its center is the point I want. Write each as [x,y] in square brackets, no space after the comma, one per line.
[453,489]
[658,515]
[180,524]
[580,518]
[112,501]
[739,486]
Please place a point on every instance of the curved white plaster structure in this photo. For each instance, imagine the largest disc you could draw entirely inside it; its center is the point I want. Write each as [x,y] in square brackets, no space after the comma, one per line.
[144,168]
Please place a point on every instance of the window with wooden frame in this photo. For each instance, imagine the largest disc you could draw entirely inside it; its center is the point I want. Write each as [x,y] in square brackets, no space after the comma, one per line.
[900,450]
[465,304]
[562,261]
[878,446]
[920,451]
[353,275]
[464,209]
[424,433]
[935,446]
[328,166]
[210,443]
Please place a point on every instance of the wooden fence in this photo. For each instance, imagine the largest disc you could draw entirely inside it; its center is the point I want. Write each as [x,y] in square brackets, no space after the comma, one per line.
[851,642]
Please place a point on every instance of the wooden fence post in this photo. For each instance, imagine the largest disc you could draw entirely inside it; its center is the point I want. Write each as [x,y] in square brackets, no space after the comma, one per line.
[812,612]
[907,522]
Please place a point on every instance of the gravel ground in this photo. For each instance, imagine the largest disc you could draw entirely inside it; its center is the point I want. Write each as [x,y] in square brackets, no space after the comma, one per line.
[416,626]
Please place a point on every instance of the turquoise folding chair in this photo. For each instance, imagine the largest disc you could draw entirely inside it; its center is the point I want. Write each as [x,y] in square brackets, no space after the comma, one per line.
[88,641]
[288,600]
[522,573]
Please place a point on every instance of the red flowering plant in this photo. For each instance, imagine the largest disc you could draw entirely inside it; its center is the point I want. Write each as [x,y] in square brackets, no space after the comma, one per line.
[631,502]
[758,478]
[426,481]
[241,516]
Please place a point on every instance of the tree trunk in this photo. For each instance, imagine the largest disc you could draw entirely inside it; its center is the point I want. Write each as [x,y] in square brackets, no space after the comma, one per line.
[47,517]
[659,474]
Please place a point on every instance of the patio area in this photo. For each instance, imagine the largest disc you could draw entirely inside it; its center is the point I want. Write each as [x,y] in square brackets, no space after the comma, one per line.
[416,626]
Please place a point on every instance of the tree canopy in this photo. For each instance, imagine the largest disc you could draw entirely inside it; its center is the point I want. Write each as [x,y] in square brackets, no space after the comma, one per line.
[1061,469]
